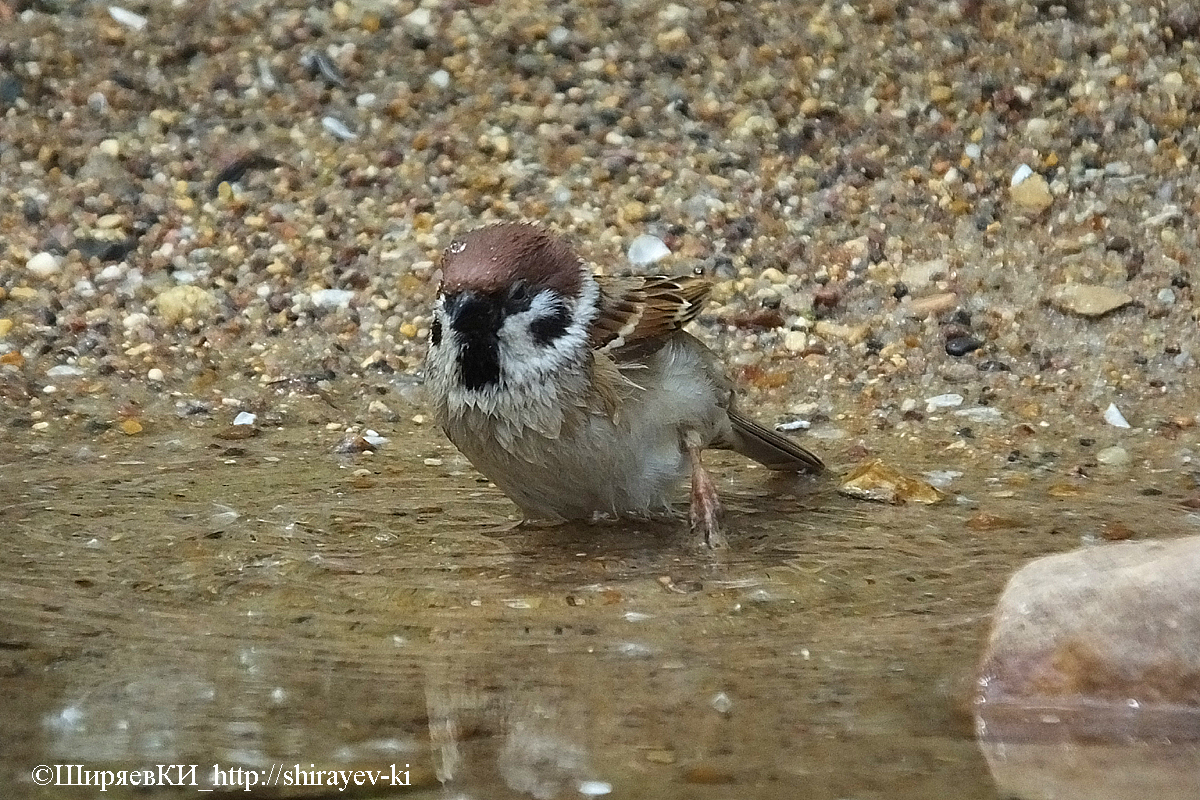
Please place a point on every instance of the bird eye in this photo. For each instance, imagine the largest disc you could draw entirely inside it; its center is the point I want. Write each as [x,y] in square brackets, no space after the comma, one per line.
[519,298]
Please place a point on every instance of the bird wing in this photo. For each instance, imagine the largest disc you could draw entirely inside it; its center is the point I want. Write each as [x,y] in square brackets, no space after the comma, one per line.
[636,313]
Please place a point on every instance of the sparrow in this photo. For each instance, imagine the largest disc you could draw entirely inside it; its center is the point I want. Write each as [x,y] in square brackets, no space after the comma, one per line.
[580,396]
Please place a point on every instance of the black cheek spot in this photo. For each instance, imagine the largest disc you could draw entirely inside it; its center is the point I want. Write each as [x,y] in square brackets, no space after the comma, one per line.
[550,328]
[435,332]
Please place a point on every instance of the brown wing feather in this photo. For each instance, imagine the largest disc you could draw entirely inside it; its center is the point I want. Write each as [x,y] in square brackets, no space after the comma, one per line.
[636,311]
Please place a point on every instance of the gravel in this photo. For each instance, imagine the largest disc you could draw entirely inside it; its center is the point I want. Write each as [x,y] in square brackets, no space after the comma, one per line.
[242,194]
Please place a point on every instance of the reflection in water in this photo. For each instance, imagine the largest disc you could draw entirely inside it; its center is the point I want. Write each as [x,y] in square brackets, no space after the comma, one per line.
[333,619]
[1091,750]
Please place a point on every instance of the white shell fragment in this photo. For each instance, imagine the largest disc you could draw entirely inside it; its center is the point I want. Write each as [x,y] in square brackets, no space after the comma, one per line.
[338,128]
[594,788]
[331,298]
[1114,417]
[943,401]
[647,249]
[127,18]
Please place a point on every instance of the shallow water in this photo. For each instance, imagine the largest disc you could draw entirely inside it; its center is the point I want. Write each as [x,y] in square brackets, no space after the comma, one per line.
[174,598]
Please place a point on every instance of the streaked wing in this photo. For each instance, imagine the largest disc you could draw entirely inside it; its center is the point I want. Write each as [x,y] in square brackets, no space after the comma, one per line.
[635,313]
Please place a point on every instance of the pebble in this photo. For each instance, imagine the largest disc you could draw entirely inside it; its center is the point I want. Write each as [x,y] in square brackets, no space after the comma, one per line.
[331,298]
[338,128]
[943,401]
[155,375]
[184,302]
[245,418]
[795,341]
[43,265]
[931,305]
[918,276]
[1115,456]
[876,481]
[647,249]
[127,18]
[980,414]
[961,345]
[1087,300]
[1114,417]
[1031,194]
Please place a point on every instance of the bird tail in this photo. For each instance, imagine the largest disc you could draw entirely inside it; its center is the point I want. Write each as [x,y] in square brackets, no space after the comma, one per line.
[772,450]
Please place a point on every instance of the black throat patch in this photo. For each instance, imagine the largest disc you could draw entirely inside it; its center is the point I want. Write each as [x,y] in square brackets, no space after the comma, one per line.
[476,319]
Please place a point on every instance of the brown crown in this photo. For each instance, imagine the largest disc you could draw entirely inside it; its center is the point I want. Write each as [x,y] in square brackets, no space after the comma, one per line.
[492,259]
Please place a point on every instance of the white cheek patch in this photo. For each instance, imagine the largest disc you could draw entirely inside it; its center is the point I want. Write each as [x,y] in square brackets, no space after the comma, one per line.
[541,340]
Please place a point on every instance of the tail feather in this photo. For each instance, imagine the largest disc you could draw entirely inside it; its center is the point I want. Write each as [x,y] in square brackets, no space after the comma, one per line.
[772,450]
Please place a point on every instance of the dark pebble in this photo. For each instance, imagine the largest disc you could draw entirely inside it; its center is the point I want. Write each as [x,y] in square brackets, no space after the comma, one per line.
[827,297]
[961,345]
[10,90]
[105,249]
[1118,244]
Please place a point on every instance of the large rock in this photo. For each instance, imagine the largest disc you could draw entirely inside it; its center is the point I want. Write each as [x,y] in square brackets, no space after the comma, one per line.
[1090,684]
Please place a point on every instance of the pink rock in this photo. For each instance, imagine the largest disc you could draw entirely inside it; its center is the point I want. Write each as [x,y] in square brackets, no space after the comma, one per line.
[1090,684]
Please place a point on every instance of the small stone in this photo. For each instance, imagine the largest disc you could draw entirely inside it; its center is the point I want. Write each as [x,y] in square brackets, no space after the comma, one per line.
[1113,531]
[985,521]
[127,18]
[918,276]
[1087,300]
[378,408]
[1032,194]
[1114,456]
[338,129]
[419,18]
[647,249]
[980,414]
[795,341]
[245,418]
[6,325]
[875,481]
[1114,417]
[931,305]
[155,375]
[185,302]
[331,298]
[109,147]
[130,427]
[961,345]
[943,401]
[43,265]
[594,788]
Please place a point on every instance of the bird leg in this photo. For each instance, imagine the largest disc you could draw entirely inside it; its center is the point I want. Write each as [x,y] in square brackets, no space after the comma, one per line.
[705,511]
